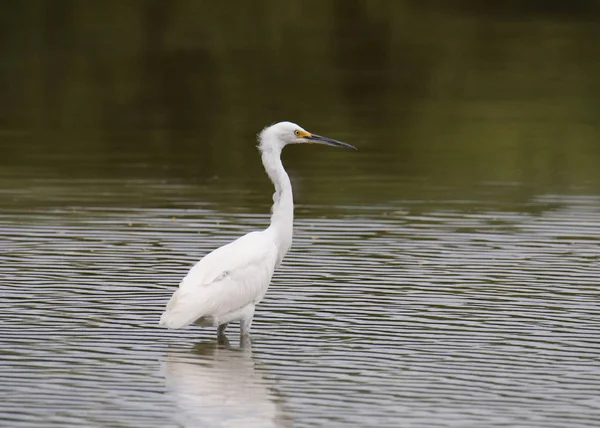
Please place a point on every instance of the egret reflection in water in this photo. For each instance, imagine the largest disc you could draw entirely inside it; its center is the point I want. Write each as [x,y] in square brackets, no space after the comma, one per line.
[217,385]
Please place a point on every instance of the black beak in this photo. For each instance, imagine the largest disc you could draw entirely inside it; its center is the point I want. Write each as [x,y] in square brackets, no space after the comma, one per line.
[314,138]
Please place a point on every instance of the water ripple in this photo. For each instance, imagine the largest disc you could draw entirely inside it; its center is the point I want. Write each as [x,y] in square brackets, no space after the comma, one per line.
[384,316]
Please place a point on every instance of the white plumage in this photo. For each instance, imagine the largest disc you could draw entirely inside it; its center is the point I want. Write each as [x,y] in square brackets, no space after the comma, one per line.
[229,282]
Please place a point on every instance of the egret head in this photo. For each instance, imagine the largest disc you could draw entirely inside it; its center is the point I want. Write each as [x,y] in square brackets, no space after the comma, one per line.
[283,133]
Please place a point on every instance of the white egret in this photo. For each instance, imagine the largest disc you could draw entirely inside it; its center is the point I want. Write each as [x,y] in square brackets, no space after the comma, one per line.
[227,284]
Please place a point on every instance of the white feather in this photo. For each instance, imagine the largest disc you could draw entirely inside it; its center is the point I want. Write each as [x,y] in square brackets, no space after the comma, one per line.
[224,281]
[226,284]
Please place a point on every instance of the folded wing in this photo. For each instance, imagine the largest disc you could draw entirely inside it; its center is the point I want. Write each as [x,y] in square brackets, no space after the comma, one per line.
[224,281]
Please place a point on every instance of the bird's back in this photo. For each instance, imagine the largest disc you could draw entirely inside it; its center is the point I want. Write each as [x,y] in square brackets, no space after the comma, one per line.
[224,281]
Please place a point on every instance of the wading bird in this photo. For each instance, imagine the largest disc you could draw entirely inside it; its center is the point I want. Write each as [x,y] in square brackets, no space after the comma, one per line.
[227,284]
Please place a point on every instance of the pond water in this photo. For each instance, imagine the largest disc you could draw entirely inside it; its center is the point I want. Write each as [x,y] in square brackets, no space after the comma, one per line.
[444,275]
[420,313]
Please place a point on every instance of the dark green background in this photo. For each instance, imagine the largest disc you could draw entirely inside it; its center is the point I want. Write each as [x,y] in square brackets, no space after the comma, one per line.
[434,93]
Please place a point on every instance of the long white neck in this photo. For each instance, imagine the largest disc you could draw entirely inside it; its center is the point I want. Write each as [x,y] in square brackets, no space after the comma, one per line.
[282,217]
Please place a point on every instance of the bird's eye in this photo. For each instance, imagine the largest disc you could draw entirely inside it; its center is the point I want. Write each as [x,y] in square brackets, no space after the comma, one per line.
[297,132]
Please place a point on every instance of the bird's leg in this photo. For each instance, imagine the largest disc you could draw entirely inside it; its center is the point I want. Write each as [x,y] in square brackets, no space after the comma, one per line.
[222,341]
[221,330]
[245,325]
[221,338]
[246,321]
[245,342]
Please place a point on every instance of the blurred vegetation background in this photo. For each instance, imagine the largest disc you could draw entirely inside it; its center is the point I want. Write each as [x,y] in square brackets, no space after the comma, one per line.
[459,91]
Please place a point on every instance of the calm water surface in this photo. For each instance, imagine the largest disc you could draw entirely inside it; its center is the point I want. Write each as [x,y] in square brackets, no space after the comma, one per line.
[430,312]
